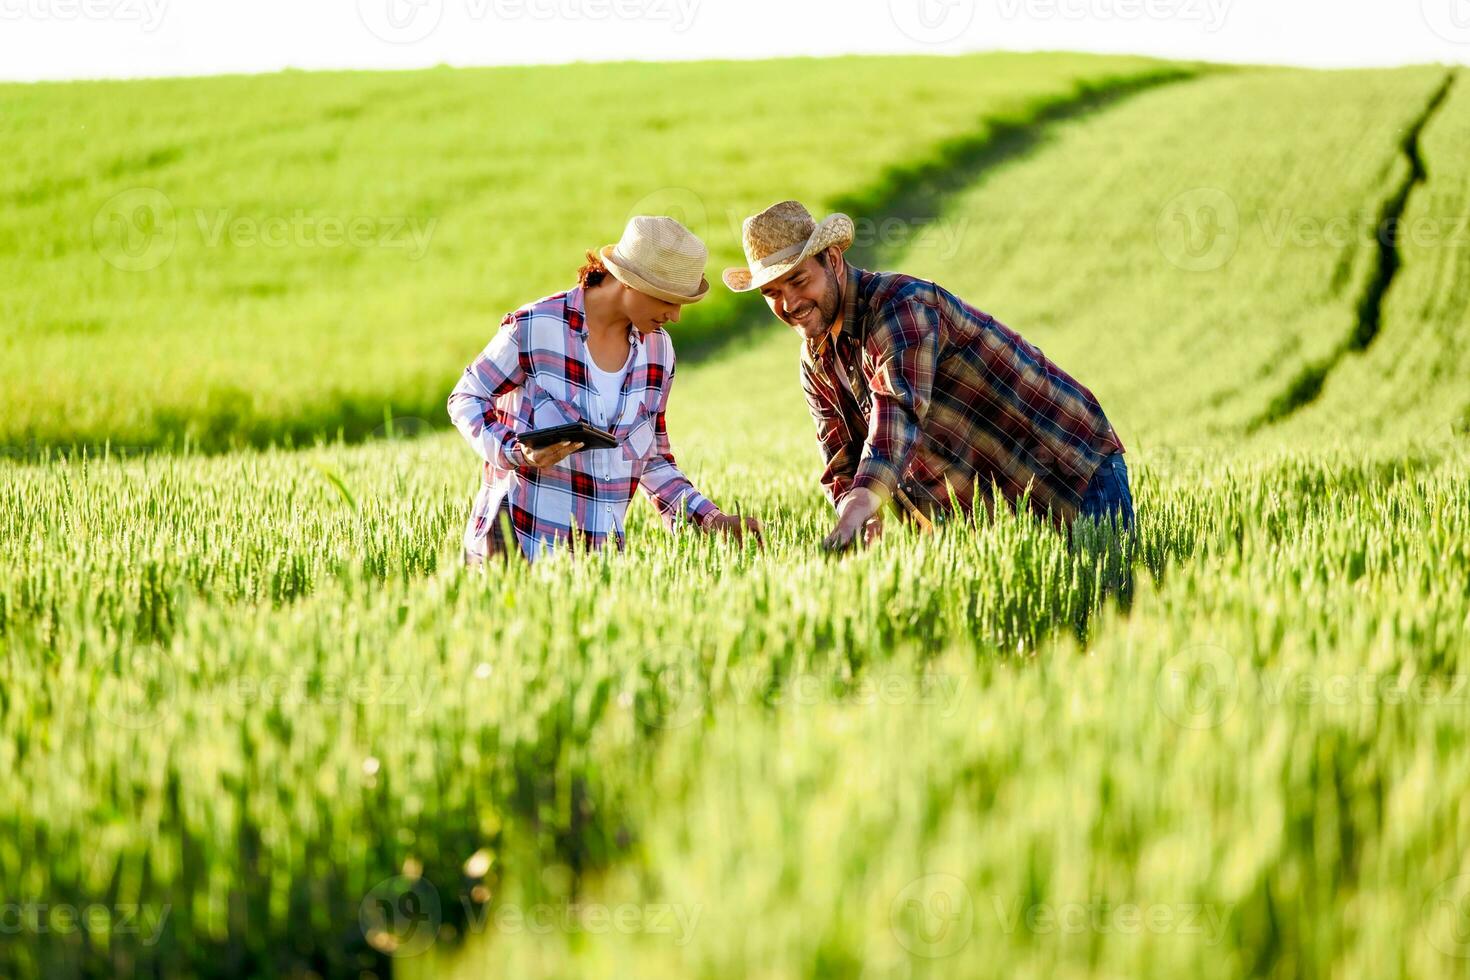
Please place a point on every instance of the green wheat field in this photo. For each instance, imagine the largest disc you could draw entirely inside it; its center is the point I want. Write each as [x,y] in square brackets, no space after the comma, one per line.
[255,719]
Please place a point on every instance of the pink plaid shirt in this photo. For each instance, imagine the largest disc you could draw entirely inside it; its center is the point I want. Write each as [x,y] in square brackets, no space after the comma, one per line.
[533,375]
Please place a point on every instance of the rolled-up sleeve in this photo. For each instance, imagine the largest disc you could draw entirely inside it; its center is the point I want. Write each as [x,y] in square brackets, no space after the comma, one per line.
[672,493]
[839,450]
[500,369]
[904,347]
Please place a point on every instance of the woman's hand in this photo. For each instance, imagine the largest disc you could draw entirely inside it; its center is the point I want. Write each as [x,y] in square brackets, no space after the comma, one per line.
[549,455]
[736,527]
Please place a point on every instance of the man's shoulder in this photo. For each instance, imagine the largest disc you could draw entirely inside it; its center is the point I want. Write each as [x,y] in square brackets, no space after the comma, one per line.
[888,299]
[882,290]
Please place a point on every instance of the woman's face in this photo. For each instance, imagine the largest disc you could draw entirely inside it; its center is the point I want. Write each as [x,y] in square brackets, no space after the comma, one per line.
[648,313]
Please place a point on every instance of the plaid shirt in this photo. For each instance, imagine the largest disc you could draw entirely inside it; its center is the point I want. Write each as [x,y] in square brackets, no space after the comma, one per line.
[919,391]
[534,374]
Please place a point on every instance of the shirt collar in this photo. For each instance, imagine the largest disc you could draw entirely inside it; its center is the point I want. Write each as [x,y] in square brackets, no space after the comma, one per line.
[577,317]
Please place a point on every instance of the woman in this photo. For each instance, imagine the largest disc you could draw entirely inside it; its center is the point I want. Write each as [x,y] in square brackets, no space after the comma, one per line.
[597,354]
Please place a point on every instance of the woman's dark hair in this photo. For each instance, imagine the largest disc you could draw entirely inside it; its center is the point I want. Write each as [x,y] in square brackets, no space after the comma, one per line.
[592,273]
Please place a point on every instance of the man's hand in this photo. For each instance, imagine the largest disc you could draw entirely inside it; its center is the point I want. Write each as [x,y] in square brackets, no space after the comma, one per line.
[856,511]
[549,455]
[873,530]
[736,527]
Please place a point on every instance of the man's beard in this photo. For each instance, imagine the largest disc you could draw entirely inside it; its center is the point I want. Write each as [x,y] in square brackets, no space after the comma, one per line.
[829,307]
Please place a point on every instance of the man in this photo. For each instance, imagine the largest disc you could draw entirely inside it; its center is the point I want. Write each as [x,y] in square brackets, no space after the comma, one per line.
[920,398]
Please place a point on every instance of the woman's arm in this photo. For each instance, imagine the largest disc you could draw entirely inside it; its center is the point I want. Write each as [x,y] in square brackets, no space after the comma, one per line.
[500,369]
[673,493]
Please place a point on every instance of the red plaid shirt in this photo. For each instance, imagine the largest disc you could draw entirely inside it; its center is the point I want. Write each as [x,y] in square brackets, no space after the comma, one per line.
[921,392]
[533,375]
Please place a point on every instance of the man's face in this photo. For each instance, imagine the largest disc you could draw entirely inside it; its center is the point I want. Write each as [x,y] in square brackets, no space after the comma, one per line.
[807,297]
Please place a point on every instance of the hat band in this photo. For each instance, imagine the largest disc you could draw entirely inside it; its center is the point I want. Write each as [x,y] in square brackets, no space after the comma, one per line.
[777,258]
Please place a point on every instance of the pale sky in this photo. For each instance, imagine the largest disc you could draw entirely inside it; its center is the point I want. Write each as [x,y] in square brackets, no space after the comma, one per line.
[58,39]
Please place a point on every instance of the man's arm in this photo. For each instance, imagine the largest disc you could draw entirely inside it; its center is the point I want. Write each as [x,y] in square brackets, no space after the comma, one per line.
[904,346]
[839,452]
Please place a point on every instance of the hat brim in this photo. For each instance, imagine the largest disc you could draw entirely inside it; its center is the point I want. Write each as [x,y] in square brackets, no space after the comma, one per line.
[837,230]
[633,280]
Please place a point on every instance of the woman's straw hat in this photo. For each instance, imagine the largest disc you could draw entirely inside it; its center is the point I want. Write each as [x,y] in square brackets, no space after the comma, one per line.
[660,257]
[782,237]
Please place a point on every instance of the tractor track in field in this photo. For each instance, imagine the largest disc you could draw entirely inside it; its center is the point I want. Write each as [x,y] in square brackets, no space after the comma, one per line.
[1307,386]
[915,195]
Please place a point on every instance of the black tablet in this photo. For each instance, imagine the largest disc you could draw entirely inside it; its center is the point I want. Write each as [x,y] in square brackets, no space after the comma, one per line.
[576,432]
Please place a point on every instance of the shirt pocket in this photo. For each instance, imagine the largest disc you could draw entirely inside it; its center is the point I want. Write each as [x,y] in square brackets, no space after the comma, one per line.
[638,444]
[548,409]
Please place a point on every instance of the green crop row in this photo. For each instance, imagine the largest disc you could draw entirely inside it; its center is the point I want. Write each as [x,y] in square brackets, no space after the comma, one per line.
[242,261]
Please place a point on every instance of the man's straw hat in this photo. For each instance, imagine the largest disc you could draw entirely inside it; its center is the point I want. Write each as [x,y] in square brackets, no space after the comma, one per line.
[782,237]
[660,257]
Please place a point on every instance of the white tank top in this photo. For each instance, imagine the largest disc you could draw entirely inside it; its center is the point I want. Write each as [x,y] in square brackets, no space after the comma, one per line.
[606,387]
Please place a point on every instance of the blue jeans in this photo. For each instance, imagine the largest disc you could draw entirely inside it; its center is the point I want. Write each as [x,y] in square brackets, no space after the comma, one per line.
[1108,495]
